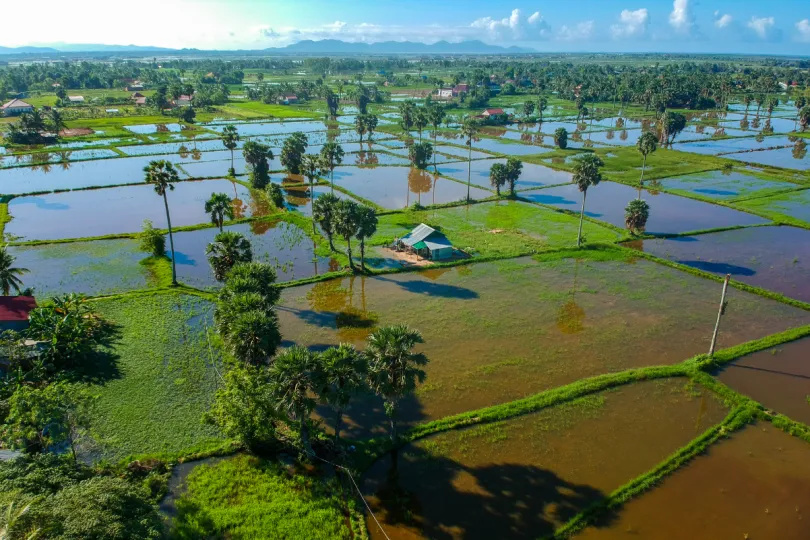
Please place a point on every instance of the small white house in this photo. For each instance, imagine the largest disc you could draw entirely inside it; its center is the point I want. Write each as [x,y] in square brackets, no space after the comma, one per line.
[16,107]
[76,100]
[445,93]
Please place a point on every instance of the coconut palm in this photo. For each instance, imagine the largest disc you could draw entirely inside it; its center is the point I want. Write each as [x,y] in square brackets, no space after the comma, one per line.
[162,175]
[342,376]
[469,131]
[497,177]
[586,174]
[9,275]
[228,249]
[230,139]
[647,144]
[635,215]
[323,213]
[219,207]
[332,154]
[293,378]
[366,227]
[393,368]
[57,121]
[346,224]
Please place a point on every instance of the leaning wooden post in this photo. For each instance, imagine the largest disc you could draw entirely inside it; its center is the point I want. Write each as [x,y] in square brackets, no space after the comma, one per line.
[719,314]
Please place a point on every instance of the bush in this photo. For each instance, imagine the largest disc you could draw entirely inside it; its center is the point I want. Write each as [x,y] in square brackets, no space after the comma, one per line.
[152,240]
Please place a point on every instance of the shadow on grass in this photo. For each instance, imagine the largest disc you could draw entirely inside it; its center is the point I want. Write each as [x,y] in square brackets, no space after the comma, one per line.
[100,365]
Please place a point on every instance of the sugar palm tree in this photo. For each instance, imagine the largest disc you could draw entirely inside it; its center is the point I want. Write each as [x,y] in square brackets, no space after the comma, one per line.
[9,275]
[219,206]
[497,177]
[162,175]
[343,376]
[647,144]
[293,378]
[346,224]
[436,115]
[469,131]
[323,213]
[514,167]
[228,249]
[366,227]
[312,166]
[394,368]
[636,215]
[230,139]
[586,174]
[332,154]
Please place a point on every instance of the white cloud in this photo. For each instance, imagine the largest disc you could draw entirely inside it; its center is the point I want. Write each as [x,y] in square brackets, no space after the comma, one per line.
[579,32]
[337,26]
[762,26]
[513,27]
[681,18]
[803,27]
[631,24]
[722,21]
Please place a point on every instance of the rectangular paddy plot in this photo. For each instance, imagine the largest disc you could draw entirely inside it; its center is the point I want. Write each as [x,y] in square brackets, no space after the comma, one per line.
[724,185]
[779,125]
[56,159]
[179,148]
[498,147]
[726,146]
[156,381]
[527,476]
[755,484]
[778,378]
[774,258]
[105,172]
[669,214]
[533,176]
[567,319]
[100,212]
[274,128]
[461,153]
[787,158]
[297,198]
[281,244]
[146,129]
[372,159]
[400,187]
[627,137]
[92,268]
[795,204]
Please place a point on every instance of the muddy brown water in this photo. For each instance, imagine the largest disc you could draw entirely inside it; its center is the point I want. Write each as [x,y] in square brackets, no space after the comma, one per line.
[496,332]
[524,477]
[755,486]
[779,378]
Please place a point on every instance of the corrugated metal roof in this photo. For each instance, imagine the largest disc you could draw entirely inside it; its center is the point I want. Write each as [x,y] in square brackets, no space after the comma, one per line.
[16,308]
[417,235]
[16,103]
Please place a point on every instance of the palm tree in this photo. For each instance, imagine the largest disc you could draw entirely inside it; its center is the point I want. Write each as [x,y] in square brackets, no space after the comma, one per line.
[346,224]
[469,131]
[542,103]
[360,126]
[312,166]
[586,174]
[57,121]
[366,227]
[647,144]
[8,274]
[228,249]
[219,206]
[230,139]
[293,378]
[636,215]
[393,368]
[420,120]
[323,212]
[747,102]
[561,138]
[804,117]
[162,175]
[514,167]
[435,115]
[332,154]
[497,177]
[343,376]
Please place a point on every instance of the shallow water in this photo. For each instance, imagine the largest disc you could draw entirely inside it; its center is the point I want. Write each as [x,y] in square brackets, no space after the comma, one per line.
[779,125]
[788,158]
[145,129]
[725,146]
[493,145]
[795,204]
[531,177]
[567,320]
[755,485]
[83,174]
[774,258]
[724,185]
[274,128]
[297,198]
[279,243]
[57,158]
[399,187]
[462,153]
[175,148]
[525,477]
[668,213]
[119,210]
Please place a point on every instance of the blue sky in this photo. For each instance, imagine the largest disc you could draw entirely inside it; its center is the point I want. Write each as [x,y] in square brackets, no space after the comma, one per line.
[726,26]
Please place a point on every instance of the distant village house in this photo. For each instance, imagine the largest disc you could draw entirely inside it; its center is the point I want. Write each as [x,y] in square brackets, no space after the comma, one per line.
[16,107]
[76,100]
[426,242]
[288,99]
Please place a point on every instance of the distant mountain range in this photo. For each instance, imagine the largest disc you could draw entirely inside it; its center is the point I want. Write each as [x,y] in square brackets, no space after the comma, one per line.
[326,46]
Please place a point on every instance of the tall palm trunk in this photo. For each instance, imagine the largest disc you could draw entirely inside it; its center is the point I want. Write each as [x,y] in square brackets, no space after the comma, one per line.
[304,434]
[232,167]
[581,218]
[363,254]
[338,422]
[332,177]
[349,251]
[469,169]
[435,169]
[171,238]
[641,181]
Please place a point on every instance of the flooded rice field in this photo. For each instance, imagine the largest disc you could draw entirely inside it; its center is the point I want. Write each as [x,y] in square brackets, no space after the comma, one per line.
[400,187]
[147,129]
[669,214]
[527,476]
[567,320]
[297,198]
[779,378]
[724,185]
[101,212]
[774,258]
[47,159]
[279,243]
[794,157]
[755,484]
[461,153]
[186,147]
[274,128]
[727,146]
[532,176]
[795,204]
[498,147]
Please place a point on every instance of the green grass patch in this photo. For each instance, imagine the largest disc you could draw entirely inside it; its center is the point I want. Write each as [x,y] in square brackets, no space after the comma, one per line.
[257,109]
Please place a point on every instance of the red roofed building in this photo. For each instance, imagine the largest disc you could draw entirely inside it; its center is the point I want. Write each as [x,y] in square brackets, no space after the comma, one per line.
[14,311]
[459,88]
[288,99]
[492,112]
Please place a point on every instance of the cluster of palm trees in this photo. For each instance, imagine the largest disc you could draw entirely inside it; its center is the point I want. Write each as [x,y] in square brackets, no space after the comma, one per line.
[346,219]
[501,174]
[365,124]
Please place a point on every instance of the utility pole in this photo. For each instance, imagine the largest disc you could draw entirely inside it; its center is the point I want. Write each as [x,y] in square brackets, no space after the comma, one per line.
[719,314]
